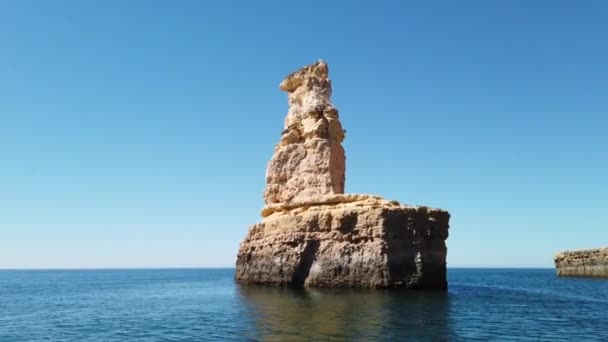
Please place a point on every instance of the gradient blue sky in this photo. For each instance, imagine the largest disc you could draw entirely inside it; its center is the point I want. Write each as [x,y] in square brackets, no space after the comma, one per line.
[136,133]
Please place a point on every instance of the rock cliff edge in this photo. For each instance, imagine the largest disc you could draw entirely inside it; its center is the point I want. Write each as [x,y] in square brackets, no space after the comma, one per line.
[312,234]
[583,263]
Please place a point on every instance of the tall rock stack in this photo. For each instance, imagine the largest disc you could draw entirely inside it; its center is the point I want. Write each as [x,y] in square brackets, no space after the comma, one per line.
[309,160]
[312,234]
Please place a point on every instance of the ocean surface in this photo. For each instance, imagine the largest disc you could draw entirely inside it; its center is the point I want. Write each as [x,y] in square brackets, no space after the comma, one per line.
[206,305]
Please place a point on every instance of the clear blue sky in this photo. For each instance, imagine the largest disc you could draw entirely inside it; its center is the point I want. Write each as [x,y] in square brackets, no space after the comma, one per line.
[136,133]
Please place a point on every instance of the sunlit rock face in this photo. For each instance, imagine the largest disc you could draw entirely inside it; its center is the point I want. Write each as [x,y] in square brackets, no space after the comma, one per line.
[312,234]
[583,263]
[309,159]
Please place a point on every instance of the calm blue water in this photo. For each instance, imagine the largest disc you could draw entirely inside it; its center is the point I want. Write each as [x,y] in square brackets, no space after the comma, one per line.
[205,304]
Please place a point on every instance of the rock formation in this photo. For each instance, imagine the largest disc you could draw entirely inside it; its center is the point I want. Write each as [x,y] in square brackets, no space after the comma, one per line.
[312,234]
[309,160]
[583,263]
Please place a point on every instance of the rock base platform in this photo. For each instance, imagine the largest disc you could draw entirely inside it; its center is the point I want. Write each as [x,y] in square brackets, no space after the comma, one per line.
[346,241]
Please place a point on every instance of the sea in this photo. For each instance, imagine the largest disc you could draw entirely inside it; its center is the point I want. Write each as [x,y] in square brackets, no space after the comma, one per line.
[207,305]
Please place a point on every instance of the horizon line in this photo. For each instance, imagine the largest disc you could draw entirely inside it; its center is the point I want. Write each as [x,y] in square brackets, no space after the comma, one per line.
[219,268]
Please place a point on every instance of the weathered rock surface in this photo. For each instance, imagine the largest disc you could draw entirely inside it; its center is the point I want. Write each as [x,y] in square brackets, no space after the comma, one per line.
[342,241]
[583,263]
[309,159]
[312,234]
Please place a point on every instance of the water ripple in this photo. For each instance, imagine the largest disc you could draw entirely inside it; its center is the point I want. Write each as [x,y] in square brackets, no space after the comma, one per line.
[206,305]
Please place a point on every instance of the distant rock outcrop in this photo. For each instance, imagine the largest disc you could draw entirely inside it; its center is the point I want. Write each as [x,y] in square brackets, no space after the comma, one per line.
[583,263]
[312,234]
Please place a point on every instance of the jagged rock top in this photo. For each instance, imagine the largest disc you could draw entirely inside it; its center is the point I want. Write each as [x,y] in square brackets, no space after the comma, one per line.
[582,255]
[317,70]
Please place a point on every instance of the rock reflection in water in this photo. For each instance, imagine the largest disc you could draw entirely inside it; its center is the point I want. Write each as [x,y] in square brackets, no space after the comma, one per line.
[281,314]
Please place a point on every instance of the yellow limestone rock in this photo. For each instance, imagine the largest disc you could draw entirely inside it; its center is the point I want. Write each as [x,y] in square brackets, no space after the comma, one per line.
[312,234]
[309,159]
[582,263]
